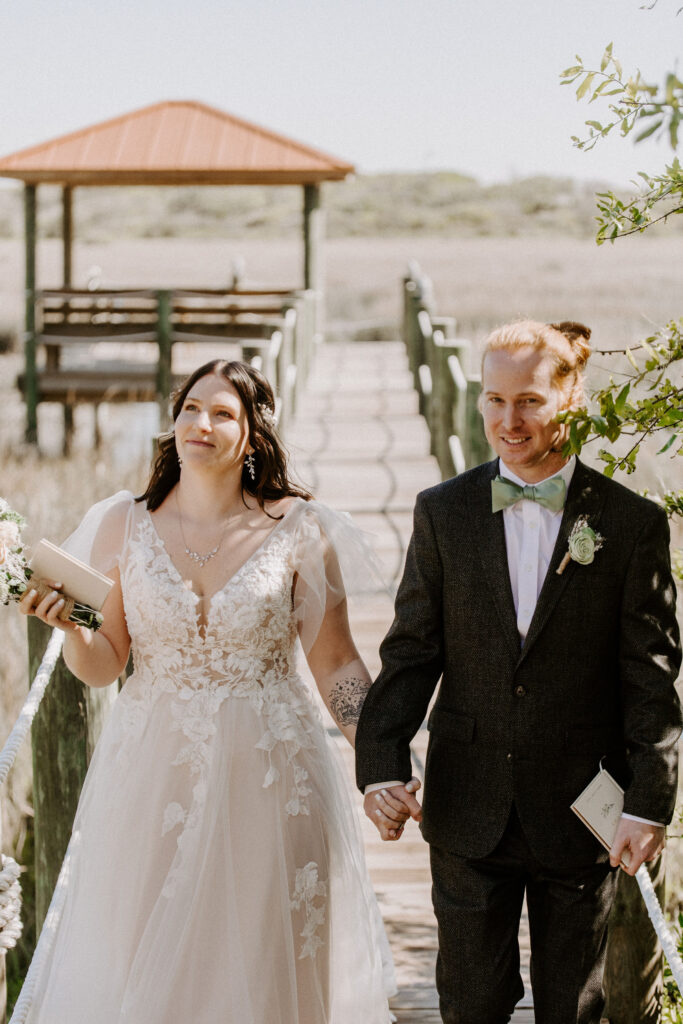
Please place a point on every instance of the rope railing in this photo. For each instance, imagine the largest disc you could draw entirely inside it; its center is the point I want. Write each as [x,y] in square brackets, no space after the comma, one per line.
[666,939]
[10,889]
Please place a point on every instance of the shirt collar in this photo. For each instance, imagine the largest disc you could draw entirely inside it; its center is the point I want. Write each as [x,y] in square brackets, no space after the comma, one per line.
[567,472]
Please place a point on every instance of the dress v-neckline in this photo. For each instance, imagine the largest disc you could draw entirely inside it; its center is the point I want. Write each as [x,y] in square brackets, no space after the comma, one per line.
[202,628]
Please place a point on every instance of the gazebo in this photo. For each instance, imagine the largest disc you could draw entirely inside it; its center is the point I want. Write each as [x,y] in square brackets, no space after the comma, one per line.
[168,143]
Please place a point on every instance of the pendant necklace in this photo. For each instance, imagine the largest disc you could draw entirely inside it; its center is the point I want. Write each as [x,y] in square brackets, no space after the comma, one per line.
[200,559]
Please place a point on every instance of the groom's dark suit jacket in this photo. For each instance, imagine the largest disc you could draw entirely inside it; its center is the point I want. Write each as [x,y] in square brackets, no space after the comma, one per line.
[528,724]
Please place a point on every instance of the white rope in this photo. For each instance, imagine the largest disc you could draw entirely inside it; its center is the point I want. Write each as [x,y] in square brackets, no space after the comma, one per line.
[10,904]
[47,938]
[667,941]
[31,704]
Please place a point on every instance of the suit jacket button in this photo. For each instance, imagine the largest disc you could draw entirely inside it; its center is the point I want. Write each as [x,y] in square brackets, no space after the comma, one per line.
[520,691]
[508,758]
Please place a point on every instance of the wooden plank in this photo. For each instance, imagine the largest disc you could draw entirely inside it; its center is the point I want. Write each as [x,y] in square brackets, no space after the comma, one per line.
[227,310]
[130,334]
[87,293]
[234,331]
[220,292]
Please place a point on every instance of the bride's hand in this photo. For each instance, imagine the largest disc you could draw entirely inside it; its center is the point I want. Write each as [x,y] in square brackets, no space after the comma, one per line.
[389,809]
[47,609]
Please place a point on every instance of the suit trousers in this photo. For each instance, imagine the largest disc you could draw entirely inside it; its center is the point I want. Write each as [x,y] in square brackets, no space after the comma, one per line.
[478,905]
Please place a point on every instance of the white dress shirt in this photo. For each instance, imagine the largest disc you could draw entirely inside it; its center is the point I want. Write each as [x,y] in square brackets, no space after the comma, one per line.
[531,533]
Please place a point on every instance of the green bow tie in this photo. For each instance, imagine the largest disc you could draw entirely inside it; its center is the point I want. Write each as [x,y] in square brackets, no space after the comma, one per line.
[549,493]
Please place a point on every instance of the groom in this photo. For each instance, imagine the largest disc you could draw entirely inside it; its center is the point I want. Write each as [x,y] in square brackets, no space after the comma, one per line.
[547,665]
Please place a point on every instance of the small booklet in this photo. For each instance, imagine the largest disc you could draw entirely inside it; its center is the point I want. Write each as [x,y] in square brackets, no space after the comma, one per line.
[79,581]
[599,807]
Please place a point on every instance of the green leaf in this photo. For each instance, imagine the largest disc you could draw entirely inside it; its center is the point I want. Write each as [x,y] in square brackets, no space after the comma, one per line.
[650,351]
[649,131]
[632,360]
[668,444]
[673,130]
[585,85]
[599,424]
[620,403]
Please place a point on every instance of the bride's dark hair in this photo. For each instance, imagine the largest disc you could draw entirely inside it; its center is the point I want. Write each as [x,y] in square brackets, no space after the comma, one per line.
[270,458]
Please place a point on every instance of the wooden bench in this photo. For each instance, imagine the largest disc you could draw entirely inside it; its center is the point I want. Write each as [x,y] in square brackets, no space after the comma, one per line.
[118,346]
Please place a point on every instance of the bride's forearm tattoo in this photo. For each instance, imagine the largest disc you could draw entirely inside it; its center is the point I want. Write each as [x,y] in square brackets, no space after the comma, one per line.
[346,699]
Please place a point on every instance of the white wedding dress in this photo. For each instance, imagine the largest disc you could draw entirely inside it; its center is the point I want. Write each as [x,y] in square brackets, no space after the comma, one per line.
[215,873]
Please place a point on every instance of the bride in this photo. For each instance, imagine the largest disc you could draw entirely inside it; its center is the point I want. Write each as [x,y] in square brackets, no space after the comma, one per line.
[215,871]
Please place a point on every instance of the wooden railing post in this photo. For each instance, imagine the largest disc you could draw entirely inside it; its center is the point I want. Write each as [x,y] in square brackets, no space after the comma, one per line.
[413,338]
[286,370]
[64,733]
[633,971]
[165,343]
[479,449]
[441,406]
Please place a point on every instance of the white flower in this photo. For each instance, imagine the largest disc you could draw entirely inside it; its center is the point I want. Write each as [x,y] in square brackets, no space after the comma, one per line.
[583,542]
[582,545]
[9,534]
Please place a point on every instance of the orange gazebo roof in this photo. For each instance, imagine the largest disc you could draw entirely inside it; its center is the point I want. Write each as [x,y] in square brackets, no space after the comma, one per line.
[173,143]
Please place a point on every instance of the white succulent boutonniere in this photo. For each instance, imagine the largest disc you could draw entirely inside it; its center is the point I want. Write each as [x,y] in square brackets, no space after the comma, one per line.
[583,543]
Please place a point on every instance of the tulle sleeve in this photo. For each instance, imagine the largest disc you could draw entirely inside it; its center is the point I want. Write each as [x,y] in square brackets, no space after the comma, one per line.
[333,560]
[102,534]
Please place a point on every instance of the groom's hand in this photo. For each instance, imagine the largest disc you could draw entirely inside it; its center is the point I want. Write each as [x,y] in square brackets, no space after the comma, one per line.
[389,809]
[641,840]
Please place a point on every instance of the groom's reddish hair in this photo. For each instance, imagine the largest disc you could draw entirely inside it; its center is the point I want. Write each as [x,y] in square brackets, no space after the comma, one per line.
[566,342]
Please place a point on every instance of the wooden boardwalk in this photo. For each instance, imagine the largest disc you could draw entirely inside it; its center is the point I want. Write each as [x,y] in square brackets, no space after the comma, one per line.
[360,445]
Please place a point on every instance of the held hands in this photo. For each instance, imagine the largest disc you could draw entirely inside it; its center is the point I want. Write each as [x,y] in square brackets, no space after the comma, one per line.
[48,609]
[389,809]
[639,840]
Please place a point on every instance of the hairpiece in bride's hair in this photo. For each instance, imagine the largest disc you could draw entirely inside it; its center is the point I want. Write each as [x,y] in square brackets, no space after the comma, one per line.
[267,414]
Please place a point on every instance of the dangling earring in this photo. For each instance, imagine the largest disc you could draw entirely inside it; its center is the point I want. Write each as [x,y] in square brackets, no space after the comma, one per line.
[249,463]
[180,461]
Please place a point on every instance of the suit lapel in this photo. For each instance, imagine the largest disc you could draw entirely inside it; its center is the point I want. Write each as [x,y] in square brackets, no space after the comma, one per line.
[489,530]
[583,499]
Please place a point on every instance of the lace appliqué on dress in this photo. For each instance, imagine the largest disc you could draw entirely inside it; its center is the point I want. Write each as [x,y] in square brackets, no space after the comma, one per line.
[247,651]
[307,889]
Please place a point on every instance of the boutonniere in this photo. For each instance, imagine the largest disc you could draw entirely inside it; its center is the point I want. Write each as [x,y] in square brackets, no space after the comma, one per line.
[583,543]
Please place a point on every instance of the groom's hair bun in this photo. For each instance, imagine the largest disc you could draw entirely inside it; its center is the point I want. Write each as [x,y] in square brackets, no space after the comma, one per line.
[566,342]
[578,336]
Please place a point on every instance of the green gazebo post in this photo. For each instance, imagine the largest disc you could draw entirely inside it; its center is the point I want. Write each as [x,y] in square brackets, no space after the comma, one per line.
[30,376]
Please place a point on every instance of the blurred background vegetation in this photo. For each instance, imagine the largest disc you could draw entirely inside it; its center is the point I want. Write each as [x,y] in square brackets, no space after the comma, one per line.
[442,203]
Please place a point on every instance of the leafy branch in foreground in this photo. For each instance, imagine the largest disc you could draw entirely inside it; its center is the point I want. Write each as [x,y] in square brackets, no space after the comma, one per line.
[650,402]
[634,104]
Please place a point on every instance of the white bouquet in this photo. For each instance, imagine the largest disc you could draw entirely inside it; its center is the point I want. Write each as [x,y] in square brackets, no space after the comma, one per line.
[16,573]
